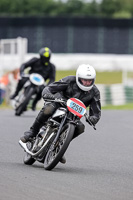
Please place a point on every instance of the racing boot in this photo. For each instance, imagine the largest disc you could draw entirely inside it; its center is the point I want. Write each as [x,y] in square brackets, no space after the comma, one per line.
[13,96]
[42,117]
[34,103]
[28,135]
[33,107]
[18,88]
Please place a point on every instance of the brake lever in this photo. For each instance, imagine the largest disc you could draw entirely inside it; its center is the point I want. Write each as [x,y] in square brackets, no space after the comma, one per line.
[90,122]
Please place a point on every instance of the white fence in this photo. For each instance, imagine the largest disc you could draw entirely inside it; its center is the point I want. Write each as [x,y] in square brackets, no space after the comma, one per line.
[12,53]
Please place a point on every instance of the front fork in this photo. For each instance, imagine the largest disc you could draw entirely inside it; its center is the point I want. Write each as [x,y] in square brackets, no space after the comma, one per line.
[55,143]
[58,132]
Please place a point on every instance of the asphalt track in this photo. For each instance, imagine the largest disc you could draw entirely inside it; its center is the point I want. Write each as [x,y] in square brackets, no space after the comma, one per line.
[99,163]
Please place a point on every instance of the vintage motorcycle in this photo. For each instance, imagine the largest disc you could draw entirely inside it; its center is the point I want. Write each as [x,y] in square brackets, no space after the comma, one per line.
[52,141]
[28,93]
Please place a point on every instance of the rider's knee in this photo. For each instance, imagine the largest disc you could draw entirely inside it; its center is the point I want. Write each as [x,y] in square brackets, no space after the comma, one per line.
[79,129]
[49,109]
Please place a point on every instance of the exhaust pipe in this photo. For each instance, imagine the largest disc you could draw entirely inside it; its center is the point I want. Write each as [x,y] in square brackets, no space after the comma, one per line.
[24,146]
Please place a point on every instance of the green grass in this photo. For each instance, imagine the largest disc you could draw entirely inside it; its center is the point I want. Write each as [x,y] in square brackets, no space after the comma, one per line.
[61,74]
[128,106]
[109,77]
[101,77]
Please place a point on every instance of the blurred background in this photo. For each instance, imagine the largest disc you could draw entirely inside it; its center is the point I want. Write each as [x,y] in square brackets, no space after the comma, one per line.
[97,32]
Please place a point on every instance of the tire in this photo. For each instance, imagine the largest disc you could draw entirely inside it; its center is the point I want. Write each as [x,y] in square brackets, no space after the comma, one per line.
[28,159]
[54,156]
[21,108]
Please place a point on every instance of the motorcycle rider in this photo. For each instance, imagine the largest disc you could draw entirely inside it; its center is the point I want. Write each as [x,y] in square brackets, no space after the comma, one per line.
[81,87]
[42,66]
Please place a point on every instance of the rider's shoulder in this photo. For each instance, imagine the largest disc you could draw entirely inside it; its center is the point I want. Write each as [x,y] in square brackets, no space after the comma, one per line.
[34,59]
[52,65]
[69,79]
[96,90]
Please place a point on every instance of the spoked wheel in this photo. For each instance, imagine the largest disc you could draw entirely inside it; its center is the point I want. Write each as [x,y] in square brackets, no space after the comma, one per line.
[28,159]
[55,153]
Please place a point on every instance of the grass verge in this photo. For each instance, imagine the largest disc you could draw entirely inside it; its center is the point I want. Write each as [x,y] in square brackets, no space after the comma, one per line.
[128,106]
[112,77]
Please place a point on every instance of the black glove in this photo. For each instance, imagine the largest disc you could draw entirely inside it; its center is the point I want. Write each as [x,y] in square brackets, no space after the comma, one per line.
[48,96]
[92,120]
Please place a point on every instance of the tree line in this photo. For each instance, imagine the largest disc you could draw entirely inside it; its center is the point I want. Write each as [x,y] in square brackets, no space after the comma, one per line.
[106,8]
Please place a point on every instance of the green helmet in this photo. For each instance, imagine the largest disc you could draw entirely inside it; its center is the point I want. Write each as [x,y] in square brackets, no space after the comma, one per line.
[45,54]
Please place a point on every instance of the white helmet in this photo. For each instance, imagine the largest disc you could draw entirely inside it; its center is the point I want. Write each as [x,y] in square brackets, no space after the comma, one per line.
[87,72]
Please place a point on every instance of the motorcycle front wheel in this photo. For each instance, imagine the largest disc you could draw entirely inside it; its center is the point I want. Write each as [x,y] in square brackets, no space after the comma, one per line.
[55,154]
[20,109]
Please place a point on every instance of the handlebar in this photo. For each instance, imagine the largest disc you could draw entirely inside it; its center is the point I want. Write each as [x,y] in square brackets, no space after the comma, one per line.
[25,75]
[56,100]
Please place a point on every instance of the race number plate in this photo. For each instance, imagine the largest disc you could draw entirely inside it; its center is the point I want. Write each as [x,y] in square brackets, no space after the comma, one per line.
[76,107]
[36,79]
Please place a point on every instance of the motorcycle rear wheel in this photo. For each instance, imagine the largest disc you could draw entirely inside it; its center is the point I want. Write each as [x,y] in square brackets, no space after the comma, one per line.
[28,159]
[53,156]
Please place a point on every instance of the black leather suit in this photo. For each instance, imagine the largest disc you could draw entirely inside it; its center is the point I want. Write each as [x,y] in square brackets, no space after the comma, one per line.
[67,88]
[36,66]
